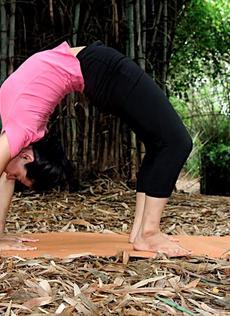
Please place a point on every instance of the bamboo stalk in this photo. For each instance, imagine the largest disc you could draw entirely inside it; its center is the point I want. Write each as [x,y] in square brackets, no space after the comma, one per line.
[74,149]
[12,36]
[140,56]
[126,18]
[122,152]
[73,128]
[97,141]
[68,132]
[86,136]
[165,44]
[143,19]
[76,23]
[113,140]
[133,141]
[51,9]
[117,144]
[104,162]
[131,51]
[93,136]
[3,42]
[140,23]
[60,123]
[156,30]
[156,24]
[115,21]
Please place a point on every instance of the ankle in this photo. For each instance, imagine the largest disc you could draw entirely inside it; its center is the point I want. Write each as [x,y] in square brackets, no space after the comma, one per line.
[145,233]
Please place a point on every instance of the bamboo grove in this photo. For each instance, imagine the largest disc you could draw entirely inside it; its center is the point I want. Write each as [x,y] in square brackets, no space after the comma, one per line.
[142,29]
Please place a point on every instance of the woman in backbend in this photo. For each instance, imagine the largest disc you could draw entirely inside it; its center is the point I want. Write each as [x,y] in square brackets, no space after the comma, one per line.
[114,84]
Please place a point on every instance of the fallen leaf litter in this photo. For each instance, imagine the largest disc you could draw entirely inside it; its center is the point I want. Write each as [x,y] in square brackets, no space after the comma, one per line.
[87,285]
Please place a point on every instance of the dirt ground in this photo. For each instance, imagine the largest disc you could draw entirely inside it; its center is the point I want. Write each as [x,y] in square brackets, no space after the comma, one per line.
[87,285]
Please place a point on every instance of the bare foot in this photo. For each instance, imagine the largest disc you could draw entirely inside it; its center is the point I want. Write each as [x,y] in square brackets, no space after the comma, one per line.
[160,242]
[133,235]
[170,237]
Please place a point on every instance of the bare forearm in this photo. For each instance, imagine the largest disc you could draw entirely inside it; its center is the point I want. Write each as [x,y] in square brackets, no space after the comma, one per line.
[4,153]
[6,193]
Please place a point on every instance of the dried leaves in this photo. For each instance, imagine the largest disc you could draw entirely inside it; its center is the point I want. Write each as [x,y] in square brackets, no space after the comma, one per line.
[114,286]
[97,286]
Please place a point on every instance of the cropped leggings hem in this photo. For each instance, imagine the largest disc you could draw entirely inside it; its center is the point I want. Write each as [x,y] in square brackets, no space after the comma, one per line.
[155,194]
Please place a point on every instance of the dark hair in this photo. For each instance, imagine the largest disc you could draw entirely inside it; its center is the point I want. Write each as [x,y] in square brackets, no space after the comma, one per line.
[50,167]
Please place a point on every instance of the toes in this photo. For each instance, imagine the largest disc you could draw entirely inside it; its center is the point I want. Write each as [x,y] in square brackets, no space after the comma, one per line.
[178,252]
[173,239]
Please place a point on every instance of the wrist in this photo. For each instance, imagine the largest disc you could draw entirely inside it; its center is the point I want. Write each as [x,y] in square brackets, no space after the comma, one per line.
[2,227]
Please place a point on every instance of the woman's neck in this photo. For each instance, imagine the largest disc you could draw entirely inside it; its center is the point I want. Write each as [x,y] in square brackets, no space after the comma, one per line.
[76,50]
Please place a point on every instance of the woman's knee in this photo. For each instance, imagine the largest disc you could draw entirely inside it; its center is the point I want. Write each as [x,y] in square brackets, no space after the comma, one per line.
[184,144]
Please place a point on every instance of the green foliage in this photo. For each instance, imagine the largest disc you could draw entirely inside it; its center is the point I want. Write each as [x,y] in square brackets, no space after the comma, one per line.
[199,81]
[216,139]
[193,163]
[219,154]
[201,43]
[205,111]
[180,106]
[215,162]
[217,148]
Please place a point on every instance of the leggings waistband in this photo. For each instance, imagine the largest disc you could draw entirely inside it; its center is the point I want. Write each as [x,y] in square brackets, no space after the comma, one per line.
[85,50]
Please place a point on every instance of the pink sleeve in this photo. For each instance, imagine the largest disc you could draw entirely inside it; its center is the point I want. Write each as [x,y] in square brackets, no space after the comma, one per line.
[17,137]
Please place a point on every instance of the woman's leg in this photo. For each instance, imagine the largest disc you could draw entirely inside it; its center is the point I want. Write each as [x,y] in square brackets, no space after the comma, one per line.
[139,210]
[120,86]
[150,237]
[168,145]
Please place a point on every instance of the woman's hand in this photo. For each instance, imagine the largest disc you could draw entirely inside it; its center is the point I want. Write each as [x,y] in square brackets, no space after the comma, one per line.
[11,242]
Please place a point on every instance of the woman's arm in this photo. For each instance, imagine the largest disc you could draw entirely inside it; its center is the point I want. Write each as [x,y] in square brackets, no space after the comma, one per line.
[6,186]
[4,152]
[6,193]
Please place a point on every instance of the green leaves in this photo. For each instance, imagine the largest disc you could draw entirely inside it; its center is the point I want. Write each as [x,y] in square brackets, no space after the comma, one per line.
[200,44]
[198,80]
[218,154]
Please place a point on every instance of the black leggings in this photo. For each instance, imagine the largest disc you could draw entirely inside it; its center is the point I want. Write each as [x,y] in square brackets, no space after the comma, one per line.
[117,85]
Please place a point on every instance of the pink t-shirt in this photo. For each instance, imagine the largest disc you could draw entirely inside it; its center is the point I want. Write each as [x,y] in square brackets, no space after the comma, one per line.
[29,96]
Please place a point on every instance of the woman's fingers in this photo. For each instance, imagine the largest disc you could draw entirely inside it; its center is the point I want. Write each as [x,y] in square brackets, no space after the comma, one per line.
[10,242]
[9,245]
[25,239]
[19,239]
[19,247]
